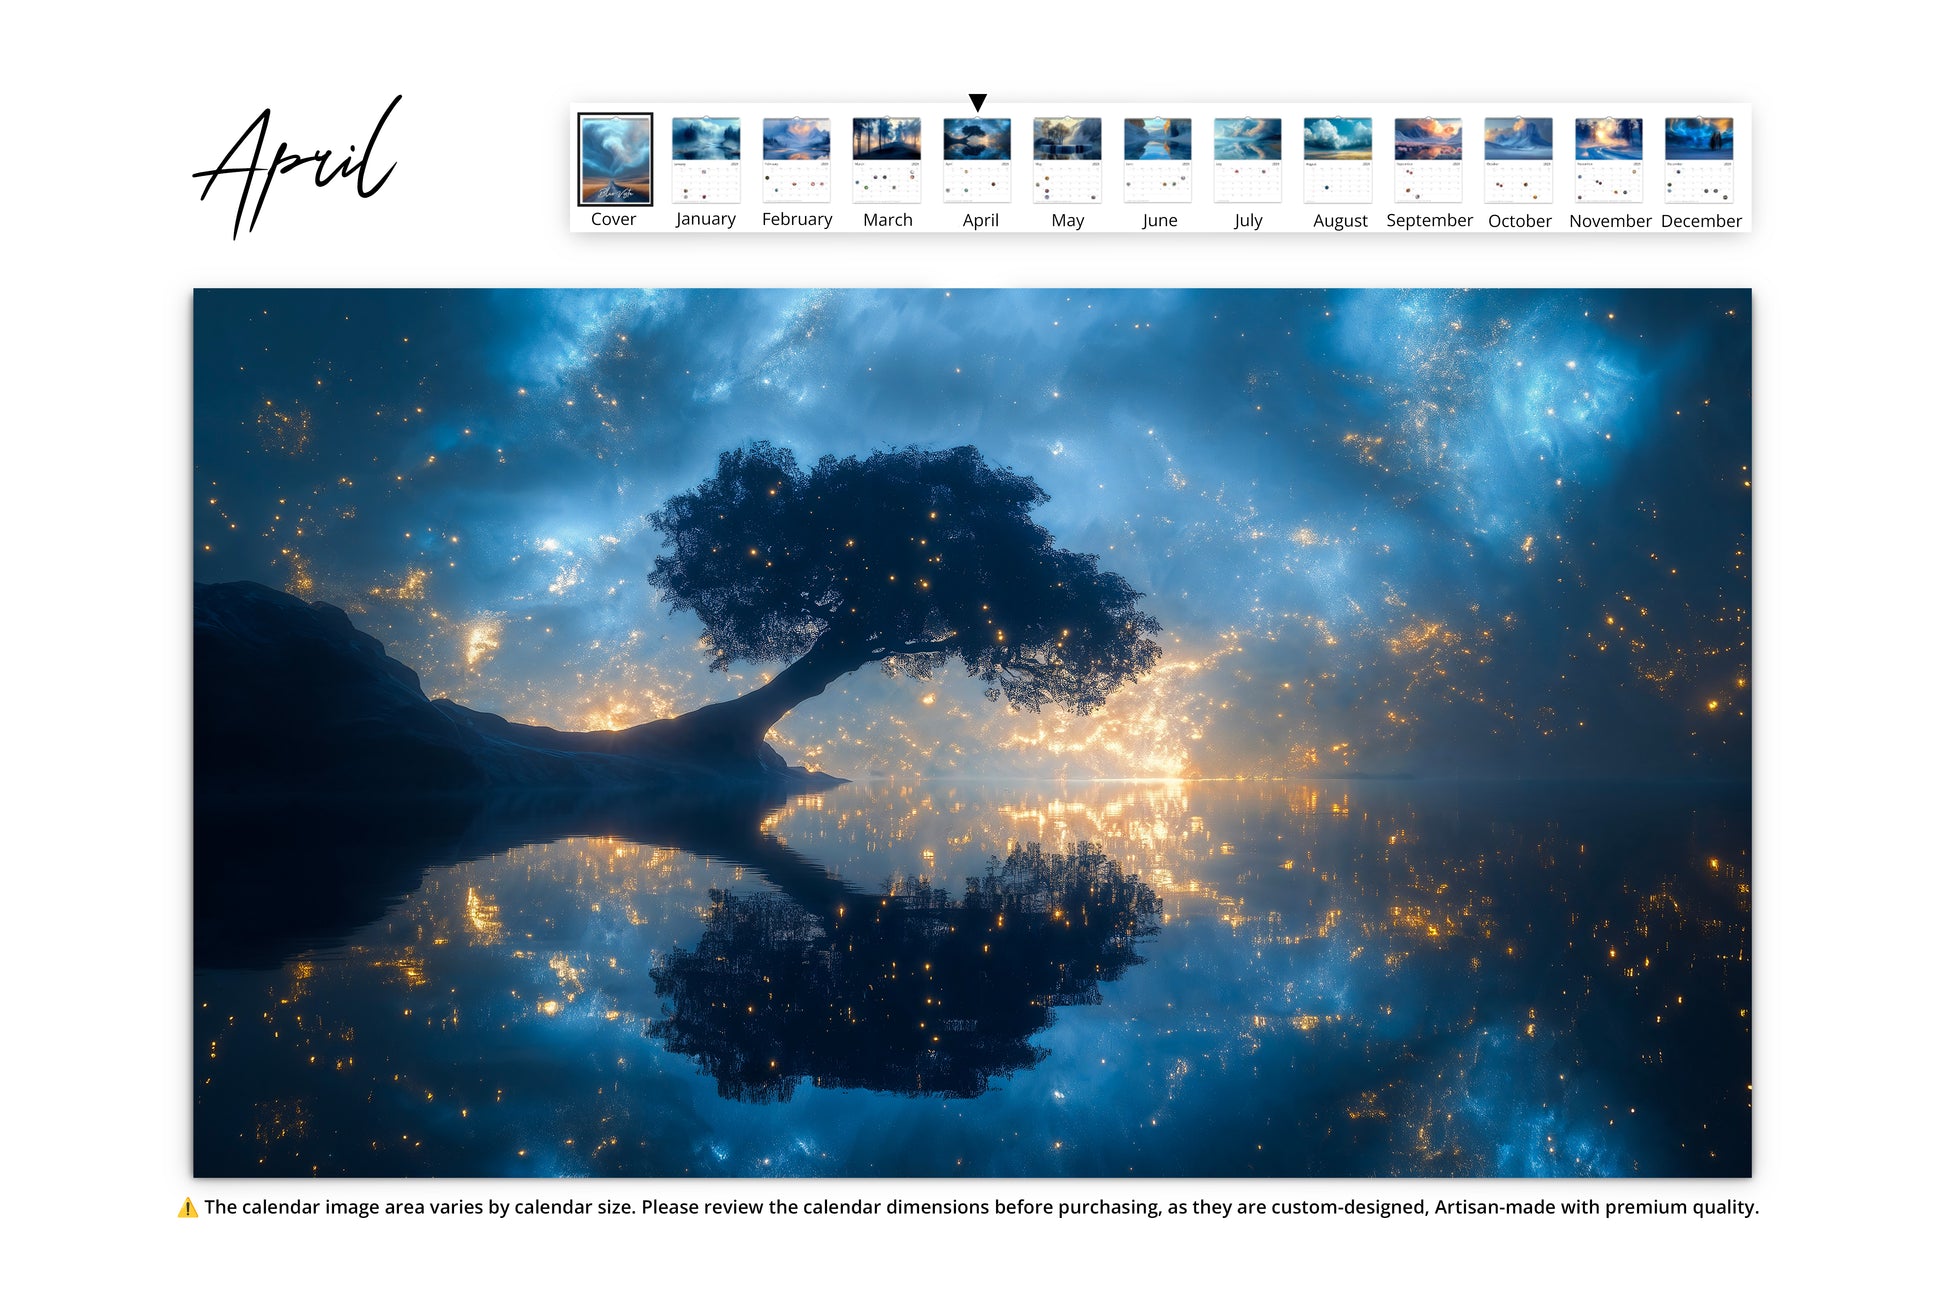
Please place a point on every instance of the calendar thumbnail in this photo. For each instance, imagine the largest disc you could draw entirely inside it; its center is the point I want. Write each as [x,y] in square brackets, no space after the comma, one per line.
[1698,165]
[1608,160]
[1337,159]
[706,163]
[797,139]
[885,160]
[1426,139]
[891,139]
[1337,139]
[979,139]
[1608,139]
[1067,139]
[978,157]
[706,139]
[1699,139]
[1155,160]
[617,158]
[1067,160]
[1519,154]
[1426,160]
[797,159]
[1156,139]
[1249,154]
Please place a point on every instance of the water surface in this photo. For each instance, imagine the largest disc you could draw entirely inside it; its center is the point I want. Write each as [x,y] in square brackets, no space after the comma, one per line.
[1330,978]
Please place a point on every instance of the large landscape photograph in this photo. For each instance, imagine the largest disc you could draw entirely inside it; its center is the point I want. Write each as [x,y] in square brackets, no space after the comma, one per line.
[972,734]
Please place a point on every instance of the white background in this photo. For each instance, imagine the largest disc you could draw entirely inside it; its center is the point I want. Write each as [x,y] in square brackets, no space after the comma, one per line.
[109,111]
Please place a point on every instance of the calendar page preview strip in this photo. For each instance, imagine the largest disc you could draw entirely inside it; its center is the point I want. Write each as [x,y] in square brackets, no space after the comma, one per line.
[1158,168]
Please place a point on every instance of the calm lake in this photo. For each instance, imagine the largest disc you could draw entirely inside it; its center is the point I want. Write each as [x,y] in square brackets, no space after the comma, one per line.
[1302,978]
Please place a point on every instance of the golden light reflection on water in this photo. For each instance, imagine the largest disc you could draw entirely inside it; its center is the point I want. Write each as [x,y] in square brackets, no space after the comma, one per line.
[1440,957]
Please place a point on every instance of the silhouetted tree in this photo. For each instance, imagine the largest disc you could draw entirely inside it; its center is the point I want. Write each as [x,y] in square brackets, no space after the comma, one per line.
[914,992]
[903,558]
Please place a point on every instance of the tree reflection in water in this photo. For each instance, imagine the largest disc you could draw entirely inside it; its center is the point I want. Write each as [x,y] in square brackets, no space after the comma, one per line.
[915,992]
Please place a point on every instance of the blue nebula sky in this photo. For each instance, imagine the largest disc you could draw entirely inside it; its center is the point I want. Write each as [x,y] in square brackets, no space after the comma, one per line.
[1425,532]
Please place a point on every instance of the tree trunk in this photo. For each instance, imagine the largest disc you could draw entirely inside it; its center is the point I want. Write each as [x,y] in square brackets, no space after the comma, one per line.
[735,728]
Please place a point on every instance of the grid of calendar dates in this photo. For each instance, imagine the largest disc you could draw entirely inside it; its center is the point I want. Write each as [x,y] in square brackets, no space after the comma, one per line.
[1067,182]
[1700,182]
[1156,182]
[979,182]
[1428,182]
[1249,182]
[886,182]
[1337,182]
[1608,182]
[716,181]
[1519,182]
[797,181]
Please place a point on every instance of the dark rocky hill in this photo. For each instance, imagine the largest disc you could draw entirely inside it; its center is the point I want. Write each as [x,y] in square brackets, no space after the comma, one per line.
[294,702]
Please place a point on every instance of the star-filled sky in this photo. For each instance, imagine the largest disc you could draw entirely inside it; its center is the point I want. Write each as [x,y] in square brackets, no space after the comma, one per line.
[1500,532]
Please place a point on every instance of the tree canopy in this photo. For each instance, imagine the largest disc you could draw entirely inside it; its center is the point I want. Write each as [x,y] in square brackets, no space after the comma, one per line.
[906,558]
[913,992]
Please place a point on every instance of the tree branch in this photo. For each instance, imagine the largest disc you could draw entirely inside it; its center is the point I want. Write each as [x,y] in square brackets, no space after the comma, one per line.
[911,648]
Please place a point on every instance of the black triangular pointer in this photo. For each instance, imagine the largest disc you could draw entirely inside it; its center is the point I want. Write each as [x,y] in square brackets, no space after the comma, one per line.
[978,100]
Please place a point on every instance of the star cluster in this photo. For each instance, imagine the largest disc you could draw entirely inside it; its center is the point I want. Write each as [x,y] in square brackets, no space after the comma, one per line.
[1384,532]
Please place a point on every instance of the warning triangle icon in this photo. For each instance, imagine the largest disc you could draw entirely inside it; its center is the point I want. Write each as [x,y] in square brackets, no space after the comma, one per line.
[979,101]
[188,1211]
